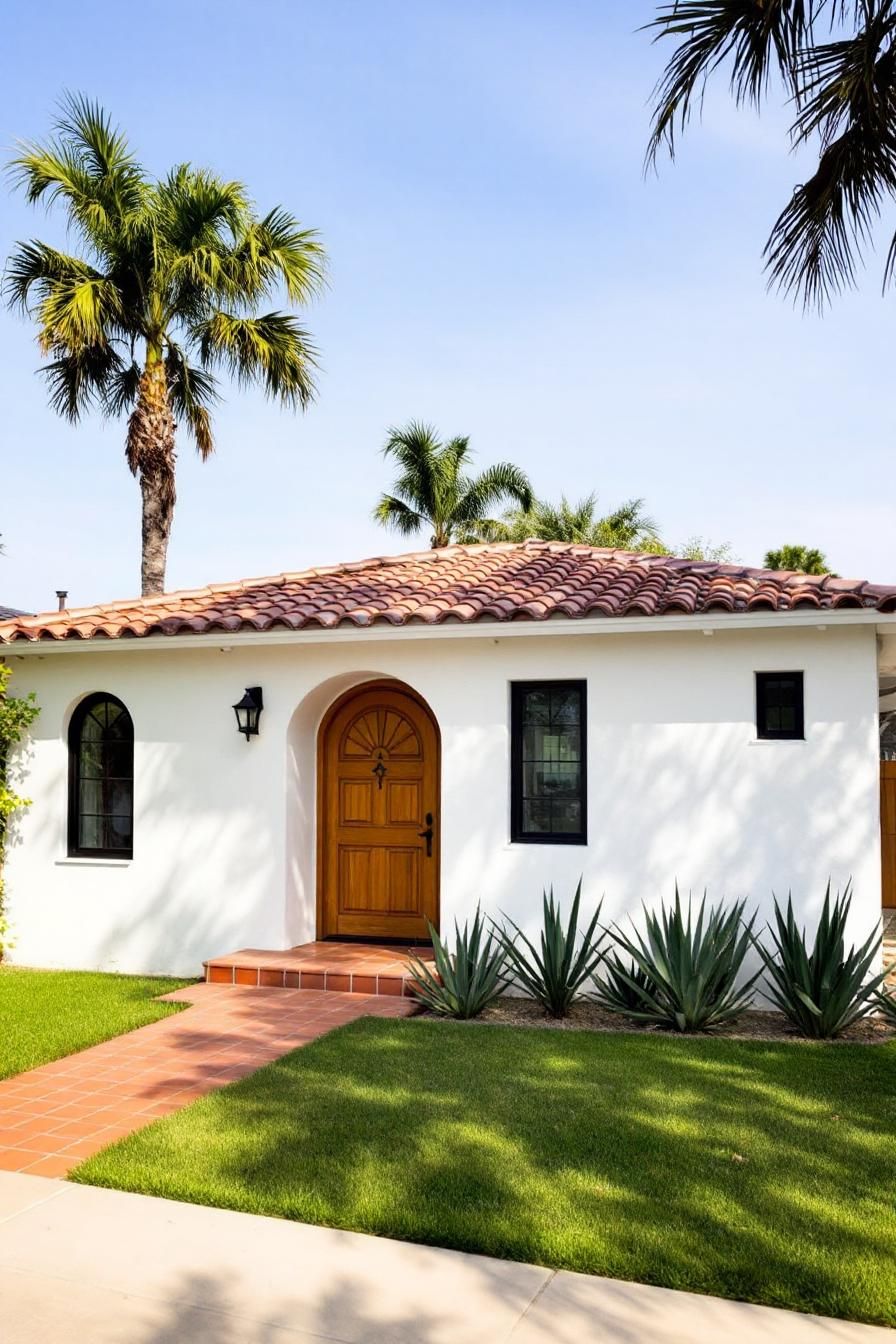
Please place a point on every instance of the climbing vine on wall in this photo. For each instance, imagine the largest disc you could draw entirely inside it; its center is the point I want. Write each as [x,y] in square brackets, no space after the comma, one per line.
[16,716]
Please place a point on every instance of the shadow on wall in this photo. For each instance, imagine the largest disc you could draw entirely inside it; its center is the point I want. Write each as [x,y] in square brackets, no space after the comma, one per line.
[170,911]
[717,814]
[18,768]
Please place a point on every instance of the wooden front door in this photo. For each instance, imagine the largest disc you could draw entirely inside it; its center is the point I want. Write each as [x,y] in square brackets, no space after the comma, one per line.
[379,816]
[888,831]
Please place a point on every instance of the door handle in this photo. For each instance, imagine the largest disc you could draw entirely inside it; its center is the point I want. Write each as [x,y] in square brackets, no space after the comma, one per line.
[427,834]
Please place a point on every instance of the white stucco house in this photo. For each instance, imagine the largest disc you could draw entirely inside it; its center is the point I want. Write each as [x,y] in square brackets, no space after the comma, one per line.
[422,733]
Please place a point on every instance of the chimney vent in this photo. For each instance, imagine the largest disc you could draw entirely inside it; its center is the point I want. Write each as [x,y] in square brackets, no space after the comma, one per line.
[62,594]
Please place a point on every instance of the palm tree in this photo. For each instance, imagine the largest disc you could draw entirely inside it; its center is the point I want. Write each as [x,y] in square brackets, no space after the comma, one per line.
[434,489]
[802,559]
[843,91]
[167,289]
[627,528]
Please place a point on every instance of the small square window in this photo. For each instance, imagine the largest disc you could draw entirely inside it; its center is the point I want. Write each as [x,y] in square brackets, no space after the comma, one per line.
[779,705]
[547,763]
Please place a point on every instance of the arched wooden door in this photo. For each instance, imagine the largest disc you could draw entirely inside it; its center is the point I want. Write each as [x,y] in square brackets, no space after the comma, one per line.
[378,819]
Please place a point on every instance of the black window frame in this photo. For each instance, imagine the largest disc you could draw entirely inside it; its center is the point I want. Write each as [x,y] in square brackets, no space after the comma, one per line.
[75,731]
[763,732]
[518,691]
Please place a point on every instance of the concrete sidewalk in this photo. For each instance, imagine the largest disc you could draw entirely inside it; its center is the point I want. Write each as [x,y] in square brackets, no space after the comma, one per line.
[87,1266]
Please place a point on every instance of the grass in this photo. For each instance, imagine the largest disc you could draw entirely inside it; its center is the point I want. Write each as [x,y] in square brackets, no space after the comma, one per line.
[752,1170]
[48,1014]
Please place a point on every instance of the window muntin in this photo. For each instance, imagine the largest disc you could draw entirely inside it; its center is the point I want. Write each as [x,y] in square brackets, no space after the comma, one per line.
[779,705]
[547,760]
[101,779]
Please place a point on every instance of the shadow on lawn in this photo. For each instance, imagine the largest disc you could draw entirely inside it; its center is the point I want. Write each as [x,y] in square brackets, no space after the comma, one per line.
[755,1171]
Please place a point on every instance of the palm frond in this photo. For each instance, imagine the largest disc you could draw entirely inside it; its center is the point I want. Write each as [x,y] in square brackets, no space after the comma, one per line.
[272,350]
[418,452]
[119,391]
[37,265]
[275,251]
[197,207]
[818,240]
[193,391]
[88,165]
[399,516]
[104,148]
[78,379]
[502,482]
[756,39]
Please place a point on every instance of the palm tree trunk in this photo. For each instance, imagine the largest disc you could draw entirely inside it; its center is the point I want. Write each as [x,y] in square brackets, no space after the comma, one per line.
[150,454]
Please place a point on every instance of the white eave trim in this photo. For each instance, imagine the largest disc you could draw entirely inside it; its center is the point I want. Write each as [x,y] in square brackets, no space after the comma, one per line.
[558,626]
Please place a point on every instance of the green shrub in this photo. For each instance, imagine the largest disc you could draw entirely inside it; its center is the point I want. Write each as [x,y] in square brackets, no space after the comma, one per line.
[463,982]
[554,974]
[16,716]
[689,970]
[824,990]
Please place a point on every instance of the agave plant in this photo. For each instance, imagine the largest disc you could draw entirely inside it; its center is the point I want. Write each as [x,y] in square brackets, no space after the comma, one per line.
[885,1002]
[621,987]
[821,990]
[554,973]
[689,969]
[463,982]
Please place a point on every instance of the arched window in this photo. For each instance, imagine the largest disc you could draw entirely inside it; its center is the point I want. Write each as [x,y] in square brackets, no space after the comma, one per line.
[101,779]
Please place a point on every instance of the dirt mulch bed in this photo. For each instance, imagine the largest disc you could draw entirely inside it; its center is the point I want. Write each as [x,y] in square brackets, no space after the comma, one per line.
[753,1025]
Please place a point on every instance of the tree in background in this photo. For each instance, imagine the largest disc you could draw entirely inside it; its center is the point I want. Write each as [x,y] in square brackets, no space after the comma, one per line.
[627,528]
[701,548]
[802,559]
[434,489]
[836,60]
[169,288]
[16,716]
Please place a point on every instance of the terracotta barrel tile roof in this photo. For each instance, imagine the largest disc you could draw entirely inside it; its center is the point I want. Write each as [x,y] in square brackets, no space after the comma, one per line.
[533,581]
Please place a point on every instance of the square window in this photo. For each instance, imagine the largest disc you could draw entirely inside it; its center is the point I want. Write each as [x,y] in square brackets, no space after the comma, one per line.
[779,706]
[547,763]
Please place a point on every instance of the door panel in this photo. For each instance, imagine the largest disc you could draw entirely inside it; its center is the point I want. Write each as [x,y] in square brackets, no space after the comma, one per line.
[379,761]
[888,832]
[355,802]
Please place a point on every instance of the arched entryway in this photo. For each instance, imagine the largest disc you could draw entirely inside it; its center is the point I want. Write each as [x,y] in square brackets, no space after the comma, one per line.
[378,815]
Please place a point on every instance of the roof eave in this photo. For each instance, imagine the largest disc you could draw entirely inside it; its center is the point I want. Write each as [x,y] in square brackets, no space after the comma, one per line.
[710,622]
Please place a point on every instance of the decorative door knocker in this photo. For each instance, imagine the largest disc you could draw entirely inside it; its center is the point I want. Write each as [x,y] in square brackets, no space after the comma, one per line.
[379,770]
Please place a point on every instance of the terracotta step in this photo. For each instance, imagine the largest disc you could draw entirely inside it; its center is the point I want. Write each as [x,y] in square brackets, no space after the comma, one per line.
[346,968]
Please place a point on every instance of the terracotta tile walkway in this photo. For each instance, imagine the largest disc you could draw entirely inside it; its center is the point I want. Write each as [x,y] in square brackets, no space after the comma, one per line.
[358,968]
[56,1115]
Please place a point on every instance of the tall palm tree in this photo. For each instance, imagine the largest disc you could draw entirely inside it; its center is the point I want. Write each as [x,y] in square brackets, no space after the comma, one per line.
[626,528]
[802,559]
[836,60]
[167,288]
[434,489]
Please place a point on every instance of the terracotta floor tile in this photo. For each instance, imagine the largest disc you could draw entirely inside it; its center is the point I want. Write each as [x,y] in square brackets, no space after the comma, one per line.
[13,1159]
[81,1150]
[50,1166]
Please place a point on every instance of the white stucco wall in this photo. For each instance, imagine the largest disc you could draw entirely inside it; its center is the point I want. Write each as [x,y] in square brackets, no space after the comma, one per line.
[224,829]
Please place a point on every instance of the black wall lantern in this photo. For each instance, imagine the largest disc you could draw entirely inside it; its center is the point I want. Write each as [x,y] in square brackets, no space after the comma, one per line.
[248,711]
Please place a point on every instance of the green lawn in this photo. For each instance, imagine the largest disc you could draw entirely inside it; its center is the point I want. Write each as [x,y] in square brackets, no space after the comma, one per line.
[747,1169]
[47,1014]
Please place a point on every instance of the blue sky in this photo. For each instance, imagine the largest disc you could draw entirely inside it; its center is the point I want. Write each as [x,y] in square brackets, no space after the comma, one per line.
[498,265]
